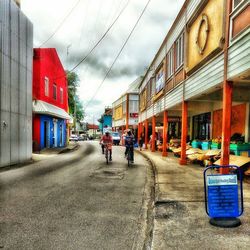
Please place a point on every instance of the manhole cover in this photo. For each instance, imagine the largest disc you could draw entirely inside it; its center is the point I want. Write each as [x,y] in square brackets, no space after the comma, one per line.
[111,173]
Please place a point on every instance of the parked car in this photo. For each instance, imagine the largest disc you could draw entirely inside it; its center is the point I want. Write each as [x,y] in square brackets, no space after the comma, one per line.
[83,137]
[73,138]
[116,138]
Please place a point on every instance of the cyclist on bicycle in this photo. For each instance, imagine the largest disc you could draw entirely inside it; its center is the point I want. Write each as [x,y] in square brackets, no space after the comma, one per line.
[129,143]
[106,139]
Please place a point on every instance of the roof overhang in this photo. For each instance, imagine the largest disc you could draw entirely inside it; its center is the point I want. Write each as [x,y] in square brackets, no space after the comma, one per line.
[44,108]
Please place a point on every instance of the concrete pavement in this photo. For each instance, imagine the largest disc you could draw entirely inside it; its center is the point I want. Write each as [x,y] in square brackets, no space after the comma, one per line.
[180,220]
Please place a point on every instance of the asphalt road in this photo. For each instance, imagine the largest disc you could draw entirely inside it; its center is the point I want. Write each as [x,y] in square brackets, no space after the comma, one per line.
[75,201]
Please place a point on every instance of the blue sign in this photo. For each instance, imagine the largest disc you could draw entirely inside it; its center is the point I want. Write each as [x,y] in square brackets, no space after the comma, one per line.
[223,197]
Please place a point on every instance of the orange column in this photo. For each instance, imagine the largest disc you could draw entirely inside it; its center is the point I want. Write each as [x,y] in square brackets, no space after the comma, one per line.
[138,131]
[184,128]
[153,135]
[226,124]
[127,112]
[227,97]
[146,134]
[165,133]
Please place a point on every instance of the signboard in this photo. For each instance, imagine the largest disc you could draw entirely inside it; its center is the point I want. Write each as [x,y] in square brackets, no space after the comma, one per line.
[118,113]
[159,84]
[205,34]
[222,196]
[223,193]
[133,115]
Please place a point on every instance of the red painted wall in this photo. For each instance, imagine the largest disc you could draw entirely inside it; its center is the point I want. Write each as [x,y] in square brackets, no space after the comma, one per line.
[46,63]
[238,120]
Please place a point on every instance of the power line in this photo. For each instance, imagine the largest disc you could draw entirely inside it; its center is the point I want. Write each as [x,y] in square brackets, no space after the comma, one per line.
[103,36]
[97,43]
[61,23]
[119,53]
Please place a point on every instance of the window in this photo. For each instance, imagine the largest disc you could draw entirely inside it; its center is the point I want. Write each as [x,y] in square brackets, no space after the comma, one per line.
[46,86]
[159,81]
[180,51]
[170,62]
[54,91]
[237,2]
[61,95]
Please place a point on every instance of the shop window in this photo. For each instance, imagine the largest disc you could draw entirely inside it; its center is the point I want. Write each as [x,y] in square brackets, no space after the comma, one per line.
[201,126]
[61,95]
[54,91]
[159,81]
[237,3]
[150,91]
[46,86]
[170,62]
[180,51]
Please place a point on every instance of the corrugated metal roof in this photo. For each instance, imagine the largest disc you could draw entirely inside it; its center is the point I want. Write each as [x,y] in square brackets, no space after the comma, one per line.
[41,107]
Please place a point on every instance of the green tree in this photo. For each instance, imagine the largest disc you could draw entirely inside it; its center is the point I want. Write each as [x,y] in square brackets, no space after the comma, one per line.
[73,83]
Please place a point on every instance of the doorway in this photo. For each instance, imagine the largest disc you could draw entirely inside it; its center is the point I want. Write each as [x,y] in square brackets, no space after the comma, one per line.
[46,138]
[55,133]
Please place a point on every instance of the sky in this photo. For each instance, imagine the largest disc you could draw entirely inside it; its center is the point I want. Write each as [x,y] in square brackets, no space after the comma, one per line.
[79,32]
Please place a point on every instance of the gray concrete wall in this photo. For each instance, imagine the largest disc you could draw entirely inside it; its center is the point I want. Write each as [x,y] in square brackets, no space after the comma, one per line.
[16,55]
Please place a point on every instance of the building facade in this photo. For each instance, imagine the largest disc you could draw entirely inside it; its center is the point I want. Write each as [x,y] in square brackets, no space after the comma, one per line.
[126,109]
[106,120]
[50,100]
[16,49]
[198,84]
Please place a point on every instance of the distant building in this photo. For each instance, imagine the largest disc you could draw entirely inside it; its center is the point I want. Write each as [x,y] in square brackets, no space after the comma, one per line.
[93,130]
[16,48]
[126,108]
[106,119]
[50,100]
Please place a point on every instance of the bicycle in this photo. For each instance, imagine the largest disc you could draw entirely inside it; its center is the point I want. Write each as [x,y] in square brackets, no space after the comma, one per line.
[107,149]
[129,156]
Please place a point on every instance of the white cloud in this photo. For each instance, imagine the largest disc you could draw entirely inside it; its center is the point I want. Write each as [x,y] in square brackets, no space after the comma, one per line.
[86,25]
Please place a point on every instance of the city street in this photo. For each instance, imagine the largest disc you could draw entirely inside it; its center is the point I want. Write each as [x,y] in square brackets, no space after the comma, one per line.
[75,201]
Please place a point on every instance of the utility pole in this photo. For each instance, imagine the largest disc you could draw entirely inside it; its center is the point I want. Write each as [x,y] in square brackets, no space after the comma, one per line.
[75,109]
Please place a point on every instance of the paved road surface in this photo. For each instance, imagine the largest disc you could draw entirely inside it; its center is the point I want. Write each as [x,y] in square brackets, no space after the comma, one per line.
[74,201]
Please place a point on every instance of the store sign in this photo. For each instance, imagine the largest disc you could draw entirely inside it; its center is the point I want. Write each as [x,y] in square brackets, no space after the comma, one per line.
[118,113]
[133,115]
[223,194]
[159,84]
[174,119]
[205,34]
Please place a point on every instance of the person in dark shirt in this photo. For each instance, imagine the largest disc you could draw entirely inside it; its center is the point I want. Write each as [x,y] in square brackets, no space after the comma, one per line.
[129,143]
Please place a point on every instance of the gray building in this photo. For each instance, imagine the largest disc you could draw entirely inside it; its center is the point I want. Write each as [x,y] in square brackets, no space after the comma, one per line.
[16,55]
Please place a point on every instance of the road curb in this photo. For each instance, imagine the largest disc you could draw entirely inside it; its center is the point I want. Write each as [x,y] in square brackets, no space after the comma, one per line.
[148,204]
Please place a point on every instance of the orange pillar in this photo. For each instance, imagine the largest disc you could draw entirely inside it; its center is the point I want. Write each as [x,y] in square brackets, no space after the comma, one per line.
[184,128]
[146,134]
[138,131]
[226,124]
[165,133]
[153,135]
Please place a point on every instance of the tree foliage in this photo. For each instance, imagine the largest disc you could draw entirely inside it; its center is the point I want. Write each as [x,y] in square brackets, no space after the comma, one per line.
[73,83]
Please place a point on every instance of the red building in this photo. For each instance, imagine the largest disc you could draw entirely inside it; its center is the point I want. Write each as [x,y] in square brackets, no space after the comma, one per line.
[50,100]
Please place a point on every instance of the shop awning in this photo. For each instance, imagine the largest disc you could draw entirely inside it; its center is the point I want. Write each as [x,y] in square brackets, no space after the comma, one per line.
[44,108]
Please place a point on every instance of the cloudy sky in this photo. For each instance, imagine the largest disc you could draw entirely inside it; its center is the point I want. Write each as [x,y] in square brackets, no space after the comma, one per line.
[88,21]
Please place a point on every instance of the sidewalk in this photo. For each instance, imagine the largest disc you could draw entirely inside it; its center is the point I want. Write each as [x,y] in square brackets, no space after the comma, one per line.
[180,220]
[49,152]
